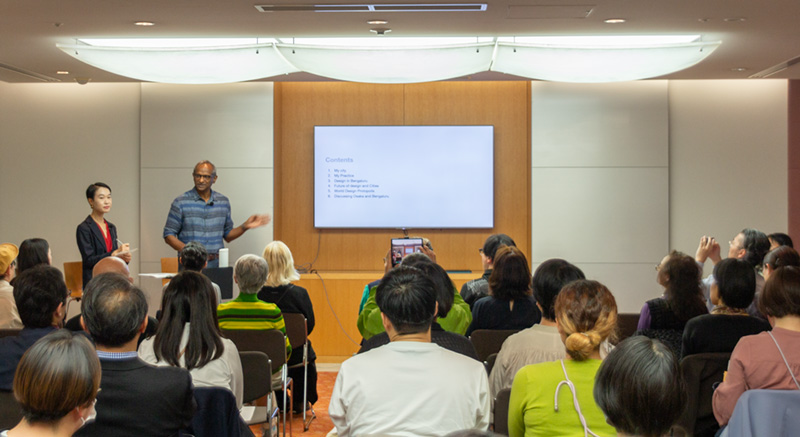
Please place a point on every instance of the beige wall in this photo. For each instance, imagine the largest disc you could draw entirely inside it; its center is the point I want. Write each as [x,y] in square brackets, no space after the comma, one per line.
[728,151]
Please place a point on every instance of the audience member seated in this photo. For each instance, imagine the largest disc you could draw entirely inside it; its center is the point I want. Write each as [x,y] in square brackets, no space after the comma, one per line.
[640,388]
[32,252]
[409,387]
[665,317]
[136,398]
[750,245]
[778,239]
[113,264]
[41,296]
[731,292]
[194,257]
[188,336]
[586,314]
[247,311]
[369,289]
[509,304]
[781,256]
[294,300]
[9,316]
[475,289]
[541,342]
[769,360]
[444,299]
[458,317]
[56,384]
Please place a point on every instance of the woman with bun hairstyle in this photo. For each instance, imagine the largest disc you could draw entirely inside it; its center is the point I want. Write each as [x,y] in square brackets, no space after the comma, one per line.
[586,315]
[97,238]
[56,383]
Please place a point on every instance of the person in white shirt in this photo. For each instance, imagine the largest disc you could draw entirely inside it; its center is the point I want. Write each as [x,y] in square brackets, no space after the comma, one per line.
[9,316]
[409,387]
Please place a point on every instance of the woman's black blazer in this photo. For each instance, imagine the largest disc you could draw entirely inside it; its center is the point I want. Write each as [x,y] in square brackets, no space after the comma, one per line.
[92,245]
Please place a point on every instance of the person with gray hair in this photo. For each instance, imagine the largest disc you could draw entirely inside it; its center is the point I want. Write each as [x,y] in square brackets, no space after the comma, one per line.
[250,272]
[247,311]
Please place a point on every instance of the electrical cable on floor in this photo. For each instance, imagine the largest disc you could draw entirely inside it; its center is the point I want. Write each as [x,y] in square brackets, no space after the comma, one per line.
[327,297]
[308,268]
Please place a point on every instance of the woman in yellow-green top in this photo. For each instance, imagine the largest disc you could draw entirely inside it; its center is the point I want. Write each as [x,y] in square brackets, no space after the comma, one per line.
[556,398]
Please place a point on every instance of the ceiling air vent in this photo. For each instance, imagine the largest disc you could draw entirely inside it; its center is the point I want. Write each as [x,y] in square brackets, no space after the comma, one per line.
[406,7]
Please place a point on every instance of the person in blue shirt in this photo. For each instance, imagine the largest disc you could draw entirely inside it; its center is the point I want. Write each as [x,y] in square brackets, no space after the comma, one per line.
[204,215]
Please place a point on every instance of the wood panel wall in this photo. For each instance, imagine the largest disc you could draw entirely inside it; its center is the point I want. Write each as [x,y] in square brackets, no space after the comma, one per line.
[300,106]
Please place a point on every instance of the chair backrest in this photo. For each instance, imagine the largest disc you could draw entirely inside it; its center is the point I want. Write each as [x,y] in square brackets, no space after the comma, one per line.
[489,363]
[169,265]
[626,325]
[701,371]
[270,341]
[765,412]
[501,411]
[296,329]
[9,332]
[10,413]
[257,375]
[73,276]
[489,341]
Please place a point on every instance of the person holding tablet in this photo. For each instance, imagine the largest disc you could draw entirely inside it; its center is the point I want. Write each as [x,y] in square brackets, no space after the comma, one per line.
[97,238]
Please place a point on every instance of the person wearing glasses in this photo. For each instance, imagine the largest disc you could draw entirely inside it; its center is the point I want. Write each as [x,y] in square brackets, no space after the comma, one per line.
[204,215]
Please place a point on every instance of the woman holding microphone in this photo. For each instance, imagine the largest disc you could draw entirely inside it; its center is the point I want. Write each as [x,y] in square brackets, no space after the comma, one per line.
[97,238]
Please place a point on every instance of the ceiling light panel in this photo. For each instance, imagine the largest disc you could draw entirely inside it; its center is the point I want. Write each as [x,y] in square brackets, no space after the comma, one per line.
[406,7]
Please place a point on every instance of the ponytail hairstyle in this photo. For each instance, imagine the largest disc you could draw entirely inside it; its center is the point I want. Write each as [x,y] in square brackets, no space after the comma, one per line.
[586,313]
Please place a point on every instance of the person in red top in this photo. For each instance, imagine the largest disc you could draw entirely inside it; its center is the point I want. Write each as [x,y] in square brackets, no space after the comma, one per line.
[97,238]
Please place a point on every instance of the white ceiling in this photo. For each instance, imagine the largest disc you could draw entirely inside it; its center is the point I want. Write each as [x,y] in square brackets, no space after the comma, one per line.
[766,38]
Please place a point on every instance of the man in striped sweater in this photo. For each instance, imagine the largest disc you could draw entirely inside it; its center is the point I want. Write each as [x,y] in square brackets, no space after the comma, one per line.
[247,311]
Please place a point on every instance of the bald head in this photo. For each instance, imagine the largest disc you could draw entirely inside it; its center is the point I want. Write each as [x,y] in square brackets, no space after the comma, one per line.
[112,264]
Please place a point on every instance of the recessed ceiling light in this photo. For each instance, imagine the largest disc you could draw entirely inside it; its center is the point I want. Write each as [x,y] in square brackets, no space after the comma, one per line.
[615,21]
[62,72]
[373,22]
[144,23]
[734,19]
[738,69]
[704,20]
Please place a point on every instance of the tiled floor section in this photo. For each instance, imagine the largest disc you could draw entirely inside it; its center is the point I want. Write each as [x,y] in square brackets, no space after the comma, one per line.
[322,424]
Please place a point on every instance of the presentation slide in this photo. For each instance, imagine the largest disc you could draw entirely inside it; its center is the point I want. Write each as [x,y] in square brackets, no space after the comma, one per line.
[403,176]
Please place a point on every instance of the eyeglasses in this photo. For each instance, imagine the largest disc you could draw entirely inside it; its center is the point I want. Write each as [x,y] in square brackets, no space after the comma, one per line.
[480,250]
[207,177]
[658,267]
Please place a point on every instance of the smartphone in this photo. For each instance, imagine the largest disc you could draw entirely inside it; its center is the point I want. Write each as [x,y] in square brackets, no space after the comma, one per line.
[402,247]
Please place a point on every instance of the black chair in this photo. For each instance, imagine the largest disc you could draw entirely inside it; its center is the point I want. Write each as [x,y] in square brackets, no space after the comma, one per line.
[257,383]
[9,332]
[272,342]
[626,325]
[10,413]
[489,341]
[489,363]
[297,331]
[700,371]
[501,411]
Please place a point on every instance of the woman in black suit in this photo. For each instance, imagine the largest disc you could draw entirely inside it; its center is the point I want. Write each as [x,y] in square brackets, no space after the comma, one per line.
[96,237]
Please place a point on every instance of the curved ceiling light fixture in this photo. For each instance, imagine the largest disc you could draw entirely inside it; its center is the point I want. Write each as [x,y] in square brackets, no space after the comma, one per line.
[390,64]
[598,62]
[185,65]
[396,60]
